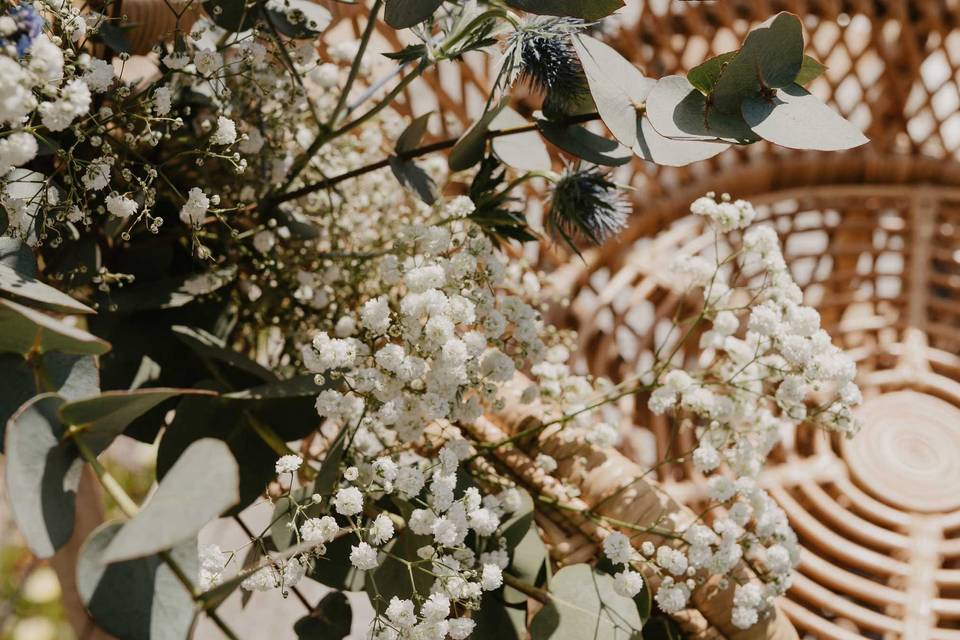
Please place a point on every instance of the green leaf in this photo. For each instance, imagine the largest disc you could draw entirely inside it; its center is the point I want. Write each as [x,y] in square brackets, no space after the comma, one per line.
[653,147]
[169,293]
[516,528]
[661,627]
[23,329]
[209,347]
[42,475]
[583,604]
[584,144]
[138,599]
[334,568]
[496,621]
[522,151]
[232,15]
[394,576]
[71,377]
[470,147]
[412,136]
[331,619]
[199,417]
[102,418]
[402,14]
[704,76]
[583,9]
[810,70]
[771,56]
[797,119]
[301,19]
[676,109]
[414,179]
[114,37]
[28,290]
[618,88]
[200,486]
[329,473]
[17,256]
[4,220]
[528,557]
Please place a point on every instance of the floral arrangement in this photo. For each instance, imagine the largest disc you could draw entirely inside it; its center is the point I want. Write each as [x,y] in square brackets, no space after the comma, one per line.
[308,308]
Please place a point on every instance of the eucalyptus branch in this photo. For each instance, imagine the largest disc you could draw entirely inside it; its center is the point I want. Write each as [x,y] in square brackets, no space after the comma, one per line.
[130,509]
[417,152]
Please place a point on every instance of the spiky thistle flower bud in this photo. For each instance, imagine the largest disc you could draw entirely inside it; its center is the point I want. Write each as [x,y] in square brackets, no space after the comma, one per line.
[541,53]
[586,205]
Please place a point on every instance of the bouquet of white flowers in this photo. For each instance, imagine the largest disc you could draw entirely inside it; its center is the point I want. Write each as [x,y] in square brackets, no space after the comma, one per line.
[275,275]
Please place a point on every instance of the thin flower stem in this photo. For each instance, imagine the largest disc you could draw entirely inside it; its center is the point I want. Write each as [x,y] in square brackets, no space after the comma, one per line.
[130,509]
[358,61]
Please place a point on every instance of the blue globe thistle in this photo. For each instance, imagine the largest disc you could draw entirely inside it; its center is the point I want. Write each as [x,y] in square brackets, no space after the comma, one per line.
[28,22]
[541,53]
[586,205]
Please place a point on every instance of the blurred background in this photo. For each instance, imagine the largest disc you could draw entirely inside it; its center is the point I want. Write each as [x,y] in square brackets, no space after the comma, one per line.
[873,235]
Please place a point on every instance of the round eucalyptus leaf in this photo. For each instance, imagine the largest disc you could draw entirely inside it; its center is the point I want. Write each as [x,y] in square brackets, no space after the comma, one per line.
[704,76]
[392,577]
[331,619]
[4,220]
[770,57]
[583,604]
[334,568]
[522,151]
[677,109]
[585,144]
[42,474]
[200,486]
[17,256]
[300,18]
[233,15]
[138,599]
[618,88]
[402,14]
[797,119]
[653,147]
[71,377]
[516,527]
[22,329]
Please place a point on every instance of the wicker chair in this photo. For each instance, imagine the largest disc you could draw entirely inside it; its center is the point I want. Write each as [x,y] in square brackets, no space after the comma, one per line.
[873,236]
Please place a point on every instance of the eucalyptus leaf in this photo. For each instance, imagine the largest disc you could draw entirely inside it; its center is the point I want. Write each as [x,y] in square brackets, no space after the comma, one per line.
[653,147]
[42,474]
[23,330]
[522,151]
[470,147]
[334,568]
[331,618]
[584,144]
[402,14]
[583,9]
[200,417]
[28,290]
[100,419]
[209,347]
[618,88]
[300,19]
[494,620]
[17,256]
[771,57]
[810,70]
[200,486]
[584,604]
[170,293]
[412,136]
[393,578]
[797,119]
[139,599]
[514,529]
[677,109]
[704,76]
[71,377]
[233,15]
[414,179]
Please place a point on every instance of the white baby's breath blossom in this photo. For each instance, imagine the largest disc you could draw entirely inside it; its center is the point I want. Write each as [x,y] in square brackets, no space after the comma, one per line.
[288,464]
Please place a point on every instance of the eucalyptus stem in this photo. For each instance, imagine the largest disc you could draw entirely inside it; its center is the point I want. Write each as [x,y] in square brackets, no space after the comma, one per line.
[526,588]
[130,509]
